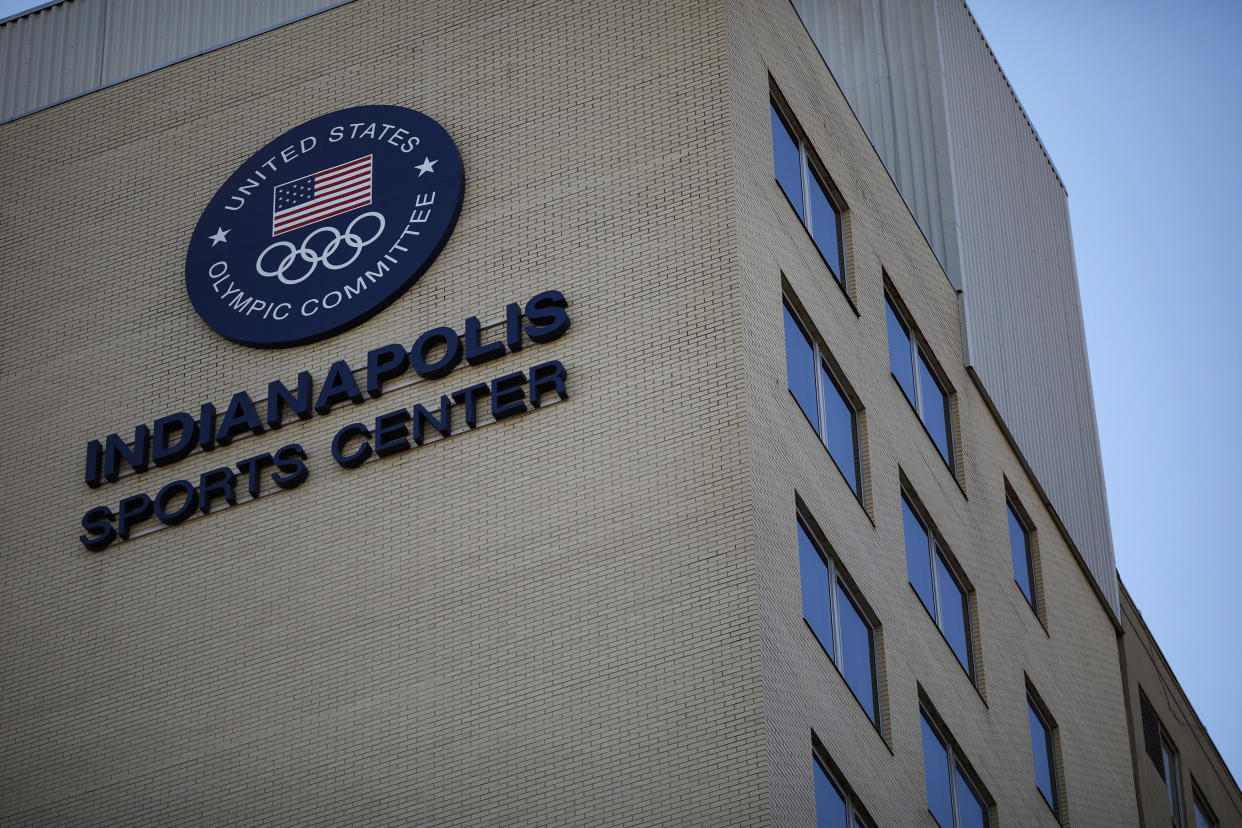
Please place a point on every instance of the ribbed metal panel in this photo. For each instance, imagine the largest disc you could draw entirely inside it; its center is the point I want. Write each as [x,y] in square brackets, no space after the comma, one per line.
[143,34]
[77,46]
[886,59]
[927,89]
[49,55]
[1020,285]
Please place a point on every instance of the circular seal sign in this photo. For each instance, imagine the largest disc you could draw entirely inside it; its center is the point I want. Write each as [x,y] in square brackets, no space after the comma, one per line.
[325,226]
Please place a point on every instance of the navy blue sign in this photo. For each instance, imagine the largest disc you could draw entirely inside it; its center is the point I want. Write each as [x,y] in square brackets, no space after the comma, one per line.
[325,226]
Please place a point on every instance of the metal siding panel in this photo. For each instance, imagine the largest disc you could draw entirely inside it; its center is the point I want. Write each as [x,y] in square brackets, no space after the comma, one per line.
[48,56]
[886,60]
[78,46]
[1018,268]
[145,34]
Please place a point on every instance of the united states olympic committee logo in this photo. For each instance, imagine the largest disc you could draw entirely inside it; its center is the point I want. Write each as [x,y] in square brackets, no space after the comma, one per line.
[325,226]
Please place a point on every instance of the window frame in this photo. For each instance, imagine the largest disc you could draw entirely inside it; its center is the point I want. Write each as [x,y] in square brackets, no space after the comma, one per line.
[855,813]
[1036,706]
[1201,807]
[812,170]
[937,549]
[1014,507]
[958,768]
[824,365]
[920,352]
[1168,766]
[1173,778]
[838,580]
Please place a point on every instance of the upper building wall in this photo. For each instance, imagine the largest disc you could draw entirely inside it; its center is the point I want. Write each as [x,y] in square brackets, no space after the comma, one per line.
[927,89]
[547,620]
[67,49]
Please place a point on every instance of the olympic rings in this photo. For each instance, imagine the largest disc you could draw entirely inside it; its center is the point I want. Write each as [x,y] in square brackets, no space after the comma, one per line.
[307,252]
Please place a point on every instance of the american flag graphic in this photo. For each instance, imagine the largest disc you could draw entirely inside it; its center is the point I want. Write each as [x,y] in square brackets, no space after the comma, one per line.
[322,195]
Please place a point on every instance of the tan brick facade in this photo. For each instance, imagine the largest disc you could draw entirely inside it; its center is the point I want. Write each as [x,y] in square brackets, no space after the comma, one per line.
[1073,665]
[548,621]
[585,615]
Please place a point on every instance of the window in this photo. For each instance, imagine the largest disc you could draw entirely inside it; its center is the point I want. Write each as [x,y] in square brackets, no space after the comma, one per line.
[1163,755]
[834,807]
[1172,778]
[937,586]
[838,622]
[908,360]
[953,799]
[1204,816]
[821,396]
[796,170]
[1021,552]
[1043,752]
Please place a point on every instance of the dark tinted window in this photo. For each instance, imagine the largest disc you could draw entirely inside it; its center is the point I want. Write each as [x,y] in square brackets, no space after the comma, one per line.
[918,557]
[839,428]
[900,358]
[830,807]
[936,775]
[800,368]
[856,651]
[838,622]
[1203,814]
[785,161]
[825,226]
[793,167]
[1151,733]
[927,565]
[822,398]
[953,613]
[912,368]
[1020,550]
[935,410]
[835,806]
[1041,751]
[944,774]
[1173,780]
[816,591]
[970,808]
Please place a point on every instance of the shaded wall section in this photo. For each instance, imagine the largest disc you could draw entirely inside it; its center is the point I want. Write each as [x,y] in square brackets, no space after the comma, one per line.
[1159,710]
[957,143]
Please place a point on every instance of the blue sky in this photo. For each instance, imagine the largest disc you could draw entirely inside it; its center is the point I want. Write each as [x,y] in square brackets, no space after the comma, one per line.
[12,7]
[1139,103]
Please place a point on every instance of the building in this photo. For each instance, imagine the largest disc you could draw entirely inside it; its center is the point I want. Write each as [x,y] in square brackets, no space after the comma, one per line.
[1177,771]
[804,531]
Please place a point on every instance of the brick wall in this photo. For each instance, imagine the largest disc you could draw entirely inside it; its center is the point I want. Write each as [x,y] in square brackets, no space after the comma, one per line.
[1073,664]
[589,614]
[550,621]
